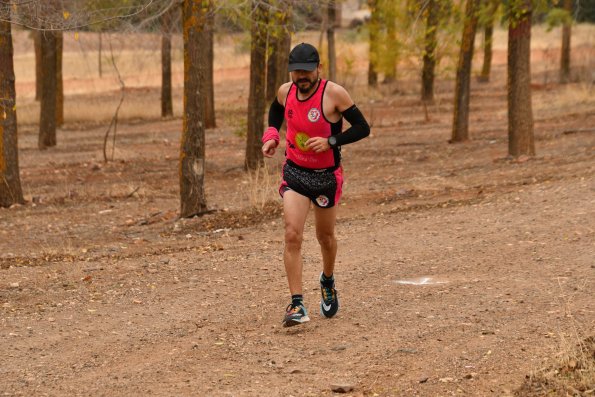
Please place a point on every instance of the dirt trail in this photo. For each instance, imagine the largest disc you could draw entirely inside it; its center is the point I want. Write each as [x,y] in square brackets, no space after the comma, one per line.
[104,291]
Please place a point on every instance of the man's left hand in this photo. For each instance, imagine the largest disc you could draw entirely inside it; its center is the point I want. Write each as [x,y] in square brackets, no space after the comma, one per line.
[318,144]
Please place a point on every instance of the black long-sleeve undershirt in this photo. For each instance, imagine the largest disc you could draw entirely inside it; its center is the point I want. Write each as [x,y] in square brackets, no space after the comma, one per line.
[276,114]
[359,126]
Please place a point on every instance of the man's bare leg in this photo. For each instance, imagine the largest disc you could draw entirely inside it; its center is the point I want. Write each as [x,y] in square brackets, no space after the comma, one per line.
[325,233]
[295,212]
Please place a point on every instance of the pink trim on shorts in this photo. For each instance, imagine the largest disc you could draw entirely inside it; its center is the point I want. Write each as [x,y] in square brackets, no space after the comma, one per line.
[283,183]
[339,177]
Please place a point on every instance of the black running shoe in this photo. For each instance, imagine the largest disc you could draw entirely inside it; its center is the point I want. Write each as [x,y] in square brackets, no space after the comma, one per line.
[295,315]
[329,305]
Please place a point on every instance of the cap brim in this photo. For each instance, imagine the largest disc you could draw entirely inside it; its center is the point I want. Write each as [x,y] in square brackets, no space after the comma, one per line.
[302,66]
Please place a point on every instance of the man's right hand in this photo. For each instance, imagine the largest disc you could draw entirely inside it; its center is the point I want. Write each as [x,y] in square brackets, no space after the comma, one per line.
[268,149]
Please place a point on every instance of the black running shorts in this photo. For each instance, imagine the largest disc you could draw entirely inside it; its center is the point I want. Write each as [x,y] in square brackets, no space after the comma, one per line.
[323,187]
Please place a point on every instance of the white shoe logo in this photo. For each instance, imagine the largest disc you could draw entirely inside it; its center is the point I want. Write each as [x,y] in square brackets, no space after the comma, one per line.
[326,307]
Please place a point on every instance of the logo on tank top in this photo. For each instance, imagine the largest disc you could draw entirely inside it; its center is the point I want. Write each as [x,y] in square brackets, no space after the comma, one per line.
[322,200]
[300,141]
[314,115]
[290,113]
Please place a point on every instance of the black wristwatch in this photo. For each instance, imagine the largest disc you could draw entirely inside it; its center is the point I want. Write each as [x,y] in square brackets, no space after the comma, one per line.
[332,141]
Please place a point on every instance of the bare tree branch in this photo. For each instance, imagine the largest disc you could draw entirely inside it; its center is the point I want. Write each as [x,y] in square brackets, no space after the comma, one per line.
[41,15]
[114,120]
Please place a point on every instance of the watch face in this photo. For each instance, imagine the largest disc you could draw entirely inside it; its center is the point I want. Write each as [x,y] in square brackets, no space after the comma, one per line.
[332,141]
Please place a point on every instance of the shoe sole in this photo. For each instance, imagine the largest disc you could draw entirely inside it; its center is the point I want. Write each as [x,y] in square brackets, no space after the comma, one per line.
[293,322]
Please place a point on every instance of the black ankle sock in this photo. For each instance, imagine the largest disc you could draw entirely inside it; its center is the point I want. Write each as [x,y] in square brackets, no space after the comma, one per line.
[327,281]
[297,300]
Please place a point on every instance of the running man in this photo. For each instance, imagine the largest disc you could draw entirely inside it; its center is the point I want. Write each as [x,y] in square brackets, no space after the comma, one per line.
[314,109]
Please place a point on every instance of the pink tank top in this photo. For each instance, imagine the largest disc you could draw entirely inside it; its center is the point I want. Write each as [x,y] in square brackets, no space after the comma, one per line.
[305,120]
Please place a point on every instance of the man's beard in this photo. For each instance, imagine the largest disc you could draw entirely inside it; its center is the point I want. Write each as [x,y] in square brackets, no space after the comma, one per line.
[305,89]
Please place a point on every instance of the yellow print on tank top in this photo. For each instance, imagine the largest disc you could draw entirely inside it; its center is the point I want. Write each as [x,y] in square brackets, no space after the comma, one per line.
[300,141]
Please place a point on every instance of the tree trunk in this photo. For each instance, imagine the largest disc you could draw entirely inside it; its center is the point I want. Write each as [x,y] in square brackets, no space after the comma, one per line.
[99,50]
[47,118]
[38,68]
[429,59]
[488,41]
[192,154]
[273,46]
[330,37]
[59,80]
[10,183]
[520,113]
[374,31]
[256,100]
[283,55]
[392,44]
[278,49]
[565,56]
[460,127]
[167,109]
[209,54]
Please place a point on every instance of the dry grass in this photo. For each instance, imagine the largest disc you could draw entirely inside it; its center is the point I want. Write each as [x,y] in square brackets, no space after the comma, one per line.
[582,34]
[575,97]
[260,187]
[138,104]
[574,374]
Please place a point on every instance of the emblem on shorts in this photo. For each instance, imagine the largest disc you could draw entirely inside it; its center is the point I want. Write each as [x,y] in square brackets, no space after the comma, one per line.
[314,115]
[322,200]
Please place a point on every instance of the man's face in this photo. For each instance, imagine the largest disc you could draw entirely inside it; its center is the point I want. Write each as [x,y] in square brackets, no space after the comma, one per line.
[305,80]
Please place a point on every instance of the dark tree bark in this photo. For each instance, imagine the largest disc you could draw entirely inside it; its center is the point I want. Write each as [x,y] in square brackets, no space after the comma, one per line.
[429,59]
[38,67]
[59,80]
[488,41]
[167,108]
[47,118]
[209,55]
[460,126]
[99,51]
[192,154]
[273,47]
[10,182]
[520,112]
[256,100]
[374,31]
[283,56]
[392,43]
[278,49]
[566,34]
[330,37]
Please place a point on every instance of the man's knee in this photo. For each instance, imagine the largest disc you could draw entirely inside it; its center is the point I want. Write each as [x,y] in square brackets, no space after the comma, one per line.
[293,238]
[326,240]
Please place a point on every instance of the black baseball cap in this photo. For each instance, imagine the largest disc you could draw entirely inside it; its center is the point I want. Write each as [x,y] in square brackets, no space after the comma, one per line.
[304,56]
